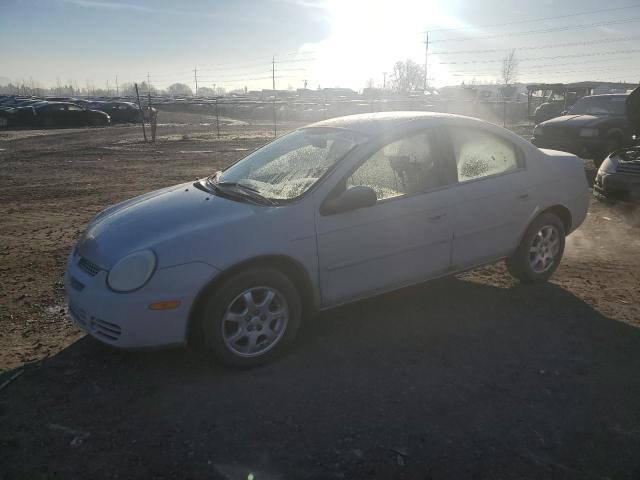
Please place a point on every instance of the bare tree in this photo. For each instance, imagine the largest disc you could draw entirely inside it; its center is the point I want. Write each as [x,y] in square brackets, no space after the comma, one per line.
[179,89]
[206,92]
[509,68]
[407,76]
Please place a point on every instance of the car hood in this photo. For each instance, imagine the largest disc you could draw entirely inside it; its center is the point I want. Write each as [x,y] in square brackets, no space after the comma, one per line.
[577,121]
[157,220]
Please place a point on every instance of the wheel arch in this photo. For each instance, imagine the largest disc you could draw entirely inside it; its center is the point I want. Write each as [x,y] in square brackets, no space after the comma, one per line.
[616,133]
[288,266]
[562,212]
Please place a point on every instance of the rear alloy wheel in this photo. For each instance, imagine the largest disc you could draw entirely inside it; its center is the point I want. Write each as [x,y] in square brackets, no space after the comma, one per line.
[251,317]
[540,251]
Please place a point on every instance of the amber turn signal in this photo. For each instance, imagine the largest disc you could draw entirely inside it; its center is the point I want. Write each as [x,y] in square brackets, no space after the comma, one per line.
[165,305]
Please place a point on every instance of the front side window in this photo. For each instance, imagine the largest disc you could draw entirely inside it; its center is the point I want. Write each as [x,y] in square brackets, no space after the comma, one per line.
[289,166]
[406,166]
[481,154]
[74,108]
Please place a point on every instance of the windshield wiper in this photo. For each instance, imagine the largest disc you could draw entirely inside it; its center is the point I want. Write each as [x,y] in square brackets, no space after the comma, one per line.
[204,186]
[245,190]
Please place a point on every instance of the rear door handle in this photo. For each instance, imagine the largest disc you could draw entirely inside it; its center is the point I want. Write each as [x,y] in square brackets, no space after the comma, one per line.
[523,196]
[435,218]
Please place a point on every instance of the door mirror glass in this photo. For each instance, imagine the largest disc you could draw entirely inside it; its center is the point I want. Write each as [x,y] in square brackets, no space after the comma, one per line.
[351,199]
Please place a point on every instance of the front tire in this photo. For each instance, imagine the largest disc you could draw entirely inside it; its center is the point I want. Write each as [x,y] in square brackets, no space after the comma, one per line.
[251,318]
[540,250]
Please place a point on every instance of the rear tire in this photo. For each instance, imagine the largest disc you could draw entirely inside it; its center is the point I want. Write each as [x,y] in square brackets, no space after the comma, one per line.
[251,318]
[540,250]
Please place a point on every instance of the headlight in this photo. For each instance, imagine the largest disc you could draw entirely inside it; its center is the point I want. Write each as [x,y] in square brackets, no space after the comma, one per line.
[537,130]
[608,166]
[589,132]
[132,272]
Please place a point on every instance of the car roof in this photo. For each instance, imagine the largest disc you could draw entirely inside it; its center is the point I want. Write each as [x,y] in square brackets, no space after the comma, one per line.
[47,103]
[372,124]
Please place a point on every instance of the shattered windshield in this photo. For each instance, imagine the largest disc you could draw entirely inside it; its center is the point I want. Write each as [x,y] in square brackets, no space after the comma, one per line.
[614,105]
[291,165]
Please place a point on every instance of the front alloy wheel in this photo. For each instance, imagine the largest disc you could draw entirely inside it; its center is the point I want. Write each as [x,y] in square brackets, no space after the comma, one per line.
[250,317]
[255,321]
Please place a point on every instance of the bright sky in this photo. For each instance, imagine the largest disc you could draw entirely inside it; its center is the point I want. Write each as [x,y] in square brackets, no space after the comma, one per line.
[327,42]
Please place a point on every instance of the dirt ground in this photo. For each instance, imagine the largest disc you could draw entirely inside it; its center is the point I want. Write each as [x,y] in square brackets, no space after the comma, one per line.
[469,377]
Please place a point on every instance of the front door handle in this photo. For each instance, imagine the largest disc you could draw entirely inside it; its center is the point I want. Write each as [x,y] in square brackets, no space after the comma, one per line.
[523,196]
[435,218]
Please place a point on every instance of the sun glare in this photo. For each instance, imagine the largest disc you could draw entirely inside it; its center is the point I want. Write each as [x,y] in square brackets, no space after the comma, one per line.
[368,37]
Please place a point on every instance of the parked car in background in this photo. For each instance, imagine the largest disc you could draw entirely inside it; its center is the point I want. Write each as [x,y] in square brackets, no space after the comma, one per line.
[341,210]
[592,128]
[618,178]
[54,114]
[120,112]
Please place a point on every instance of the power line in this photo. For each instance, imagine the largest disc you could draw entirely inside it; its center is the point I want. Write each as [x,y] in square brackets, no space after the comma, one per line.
[545,73]
[556,57]
[533,20]
[541,47]
[540,31]
[581,62]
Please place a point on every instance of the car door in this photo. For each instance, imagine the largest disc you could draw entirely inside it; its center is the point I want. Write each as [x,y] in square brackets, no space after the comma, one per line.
[494,196]
[54,115]
[404,238]
[76,115]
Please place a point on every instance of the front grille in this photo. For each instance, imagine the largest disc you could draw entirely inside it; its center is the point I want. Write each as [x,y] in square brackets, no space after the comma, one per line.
[89,267]
[629,167]
[107,330]
[558,134]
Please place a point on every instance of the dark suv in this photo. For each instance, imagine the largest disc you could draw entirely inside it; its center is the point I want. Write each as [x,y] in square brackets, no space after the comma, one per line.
[594,127]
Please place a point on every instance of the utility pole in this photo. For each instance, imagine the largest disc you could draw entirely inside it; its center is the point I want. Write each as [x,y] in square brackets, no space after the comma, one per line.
[195,76]
[144,131]
[384,80]
[117,91]
[149,89]
[273,81]
[426,60]
[108,89]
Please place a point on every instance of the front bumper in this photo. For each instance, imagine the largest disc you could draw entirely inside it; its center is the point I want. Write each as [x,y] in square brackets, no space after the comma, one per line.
[124,319]
[617,187]
[583,147]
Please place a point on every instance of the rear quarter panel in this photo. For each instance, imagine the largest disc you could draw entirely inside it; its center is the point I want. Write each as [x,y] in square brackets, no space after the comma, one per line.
[563,181]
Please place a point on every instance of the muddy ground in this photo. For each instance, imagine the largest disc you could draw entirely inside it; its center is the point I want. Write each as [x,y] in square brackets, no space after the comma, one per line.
[468,377]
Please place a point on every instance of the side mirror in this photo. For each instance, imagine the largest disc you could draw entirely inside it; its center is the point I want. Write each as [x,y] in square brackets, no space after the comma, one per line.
[564,112]
[351,199]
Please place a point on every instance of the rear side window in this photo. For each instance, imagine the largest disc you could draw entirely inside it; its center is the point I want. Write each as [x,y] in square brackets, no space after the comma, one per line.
[482,154]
